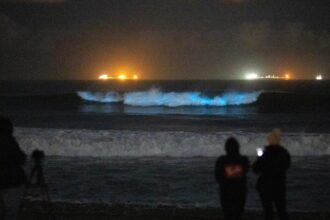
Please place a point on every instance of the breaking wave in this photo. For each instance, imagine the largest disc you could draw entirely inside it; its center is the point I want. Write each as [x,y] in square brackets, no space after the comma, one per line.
[155,97]
[109,143]
[106,97]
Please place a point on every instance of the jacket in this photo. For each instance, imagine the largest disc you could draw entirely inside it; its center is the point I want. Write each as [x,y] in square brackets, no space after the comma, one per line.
[272,167]
[12,158]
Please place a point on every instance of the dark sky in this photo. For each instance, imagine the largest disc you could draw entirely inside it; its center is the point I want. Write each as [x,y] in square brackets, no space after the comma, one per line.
[163,39]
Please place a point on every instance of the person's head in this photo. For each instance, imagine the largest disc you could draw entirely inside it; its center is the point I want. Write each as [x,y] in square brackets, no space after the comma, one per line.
[274,137]
[6,127]
[232,146]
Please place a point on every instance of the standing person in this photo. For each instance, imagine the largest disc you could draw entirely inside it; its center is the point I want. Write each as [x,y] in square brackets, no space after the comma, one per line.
[230,173]
[271,167]
[12,176]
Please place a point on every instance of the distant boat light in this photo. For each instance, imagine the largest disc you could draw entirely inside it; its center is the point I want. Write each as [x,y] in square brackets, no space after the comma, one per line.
[104,77]
[251,76]
[319,77]
[122,77]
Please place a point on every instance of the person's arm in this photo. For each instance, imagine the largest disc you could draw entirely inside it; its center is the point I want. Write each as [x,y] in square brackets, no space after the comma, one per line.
[246,164]
[259,165]
[288,160]
[256,166]
[18,155]
[283,161]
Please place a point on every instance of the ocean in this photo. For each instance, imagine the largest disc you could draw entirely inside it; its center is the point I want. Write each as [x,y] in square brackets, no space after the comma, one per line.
[156,142]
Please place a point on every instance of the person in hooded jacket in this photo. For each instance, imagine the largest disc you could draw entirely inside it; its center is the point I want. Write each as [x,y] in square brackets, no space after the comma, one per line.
[230,173]
[12,175]
[271,168]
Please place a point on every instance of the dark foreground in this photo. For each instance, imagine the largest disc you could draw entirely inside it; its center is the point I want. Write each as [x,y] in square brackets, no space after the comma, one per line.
[59,211]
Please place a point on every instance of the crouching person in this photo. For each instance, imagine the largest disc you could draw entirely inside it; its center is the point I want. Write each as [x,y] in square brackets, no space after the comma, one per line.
[12,176]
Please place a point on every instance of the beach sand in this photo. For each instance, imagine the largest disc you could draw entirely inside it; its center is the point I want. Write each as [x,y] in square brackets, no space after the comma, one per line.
[59,211]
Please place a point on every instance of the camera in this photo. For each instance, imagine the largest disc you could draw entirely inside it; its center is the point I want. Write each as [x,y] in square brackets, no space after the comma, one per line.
[37,156]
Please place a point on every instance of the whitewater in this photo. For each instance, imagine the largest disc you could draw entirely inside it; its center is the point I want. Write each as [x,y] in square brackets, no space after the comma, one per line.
[126,143]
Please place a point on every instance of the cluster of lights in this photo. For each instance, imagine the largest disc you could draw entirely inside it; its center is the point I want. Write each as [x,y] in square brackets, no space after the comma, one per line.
[319,77]
[254,76]
[119,77]
[104,77]
[251,76]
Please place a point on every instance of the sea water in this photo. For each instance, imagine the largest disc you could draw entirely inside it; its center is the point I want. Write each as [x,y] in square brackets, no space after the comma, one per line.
[181,182]
[156,142]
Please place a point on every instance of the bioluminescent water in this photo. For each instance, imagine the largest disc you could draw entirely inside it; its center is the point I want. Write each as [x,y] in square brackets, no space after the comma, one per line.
[124,142]
[155,97]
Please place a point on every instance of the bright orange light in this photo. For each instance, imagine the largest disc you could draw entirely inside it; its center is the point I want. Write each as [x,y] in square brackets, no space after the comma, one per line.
[287,76]
[122,77]
[135,77]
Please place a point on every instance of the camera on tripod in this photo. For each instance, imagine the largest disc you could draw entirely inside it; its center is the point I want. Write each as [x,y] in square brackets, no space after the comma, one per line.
[37,174]
[37,186]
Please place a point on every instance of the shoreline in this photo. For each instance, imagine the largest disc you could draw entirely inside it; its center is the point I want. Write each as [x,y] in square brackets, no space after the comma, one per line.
[79,211]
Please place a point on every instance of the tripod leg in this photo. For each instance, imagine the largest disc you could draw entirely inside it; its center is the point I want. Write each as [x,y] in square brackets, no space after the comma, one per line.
[21,205]
[45,194]
[46,201]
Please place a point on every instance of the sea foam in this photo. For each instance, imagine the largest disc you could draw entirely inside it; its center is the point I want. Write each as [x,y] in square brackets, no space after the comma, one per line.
[109,143]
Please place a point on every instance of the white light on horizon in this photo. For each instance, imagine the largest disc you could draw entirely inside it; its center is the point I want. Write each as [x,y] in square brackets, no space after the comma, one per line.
[251,76]
[104,77]
[319,77]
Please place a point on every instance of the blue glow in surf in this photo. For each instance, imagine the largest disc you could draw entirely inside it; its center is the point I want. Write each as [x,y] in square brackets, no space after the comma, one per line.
[106,97]
[155,97]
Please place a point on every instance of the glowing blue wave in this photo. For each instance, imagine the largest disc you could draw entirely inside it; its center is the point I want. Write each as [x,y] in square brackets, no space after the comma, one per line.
[156,97]
[100,96]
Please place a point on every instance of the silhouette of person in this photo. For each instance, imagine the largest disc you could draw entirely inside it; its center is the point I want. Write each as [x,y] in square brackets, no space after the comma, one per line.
[230,173]
[12,175]
[271,168]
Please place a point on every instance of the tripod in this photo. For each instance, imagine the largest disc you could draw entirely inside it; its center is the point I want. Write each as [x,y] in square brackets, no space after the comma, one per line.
[37,186]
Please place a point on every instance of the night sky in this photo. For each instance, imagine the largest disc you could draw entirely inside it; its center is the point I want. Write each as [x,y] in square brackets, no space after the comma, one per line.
[163,39]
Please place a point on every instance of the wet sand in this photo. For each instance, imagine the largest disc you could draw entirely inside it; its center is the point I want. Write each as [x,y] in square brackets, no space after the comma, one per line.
[59,211]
